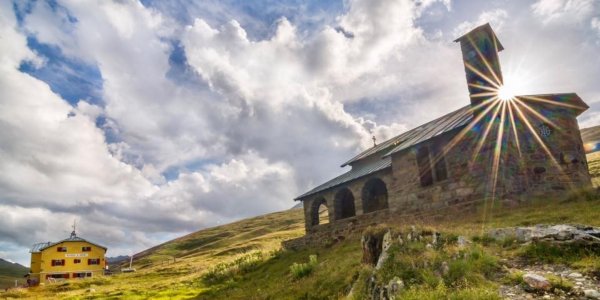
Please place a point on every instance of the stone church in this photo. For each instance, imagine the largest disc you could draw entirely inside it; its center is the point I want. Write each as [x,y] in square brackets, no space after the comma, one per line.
[493,149]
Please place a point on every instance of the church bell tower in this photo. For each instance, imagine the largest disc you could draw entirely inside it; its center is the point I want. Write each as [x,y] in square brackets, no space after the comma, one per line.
[480,49]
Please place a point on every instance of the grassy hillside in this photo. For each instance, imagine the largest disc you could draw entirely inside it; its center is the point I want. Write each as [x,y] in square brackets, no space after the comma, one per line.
[242,260]
[9,272]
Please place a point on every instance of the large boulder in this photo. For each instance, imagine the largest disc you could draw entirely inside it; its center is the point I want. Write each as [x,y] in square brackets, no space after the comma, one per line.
[372,243]
[561,233]
[385,246]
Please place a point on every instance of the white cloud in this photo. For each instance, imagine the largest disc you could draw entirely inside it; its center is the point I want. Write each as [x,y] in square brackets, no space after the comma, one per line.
[595,23]
[563,11]
[497,18]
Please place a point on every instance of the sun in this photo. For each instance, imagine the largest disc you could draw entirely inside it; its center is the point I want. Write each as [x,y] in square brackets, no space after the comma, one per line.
[506,93]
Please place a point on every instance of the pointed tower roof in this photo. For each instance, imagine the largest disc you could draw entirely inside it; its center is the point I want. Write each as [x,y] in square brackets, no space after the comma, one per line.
[485,29]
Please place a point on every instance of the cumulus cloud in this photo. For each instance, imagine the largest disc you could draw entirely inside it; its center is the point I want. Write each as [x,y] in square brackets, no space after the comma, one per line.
[595,23]
[564,11]
[496,18]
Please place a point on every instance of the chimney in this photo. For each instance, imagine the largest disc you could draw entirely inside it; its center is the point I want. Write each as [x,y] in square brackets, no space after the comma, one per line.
[480,49]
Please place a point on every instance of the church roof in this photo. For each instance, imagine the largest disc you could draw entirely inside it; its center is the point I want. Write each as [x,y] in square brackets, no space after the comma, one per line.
[453,120]
[355,173]
[405,140]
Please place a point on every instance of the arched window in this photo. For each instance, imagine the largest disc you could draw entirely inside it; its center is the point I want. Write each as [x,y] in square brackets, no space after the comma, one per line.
[344,204]
[374,195]
[319,212]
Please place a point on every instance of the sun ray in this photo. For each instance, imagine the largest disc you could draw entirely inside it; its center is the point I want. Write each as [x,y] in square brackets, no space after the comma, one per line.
[498,148]
[483,87]
[514,127]
[477,118]
[537,137]
[484,95]
[498,82]
[538,115]
[486,132]
[496,161]
[490,81]
[538,99]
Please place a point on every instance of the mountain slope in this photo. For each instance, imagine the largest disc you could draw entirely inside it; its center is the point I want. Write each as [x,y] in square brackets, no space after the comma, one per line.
[10,271]
[242,260]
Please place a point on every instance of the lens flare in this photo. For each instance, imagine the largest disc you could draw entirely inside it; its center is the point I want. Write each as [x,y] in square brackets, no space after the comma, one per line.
[506,93]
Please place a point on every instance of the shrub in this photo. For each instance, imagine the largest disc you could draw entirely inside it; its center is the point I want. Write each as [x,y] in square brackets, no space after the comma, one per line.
[300,270]
[551,253]
[484,239]
[241,265]
[514,278]
[560,283]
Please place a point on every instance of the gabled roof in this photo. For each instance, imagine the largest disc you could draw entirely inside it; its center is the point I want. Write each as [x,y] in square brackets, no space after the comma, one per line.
[483,29]
[453,120]
[42,246]
[355,173]
[564,100]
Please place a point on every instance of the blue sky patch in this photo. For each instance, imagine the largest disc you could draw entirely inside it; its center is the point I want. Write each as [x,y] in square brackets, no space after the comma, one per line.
[72,79]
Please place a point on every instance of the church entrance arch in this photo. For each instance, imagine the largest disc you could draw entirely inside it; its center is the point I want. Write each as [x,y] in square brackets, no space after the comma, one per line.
[344,204]
[374,195]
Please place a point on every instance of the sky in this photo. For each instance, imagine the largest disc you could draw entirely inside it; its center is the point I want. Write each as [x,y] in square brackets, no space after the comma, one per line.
[144,121]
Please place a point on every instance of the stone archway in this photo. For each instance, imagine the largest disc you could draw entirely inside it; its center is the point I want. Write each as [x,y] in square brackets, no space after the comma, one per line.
[343,204]
[374,195]
[319,212]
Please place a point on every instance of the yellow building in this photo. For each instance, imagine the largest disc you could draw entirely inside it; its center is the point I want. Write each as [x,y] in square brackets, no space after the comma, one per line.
[73,257]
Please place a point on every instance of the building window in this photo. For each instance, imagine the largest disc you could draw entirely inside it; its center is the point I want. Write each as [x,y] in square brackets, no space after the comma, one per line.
[93,261]
[58,262]
[424,165]
[61,249]
[431,162]
[77,261]
[86,249]
[439,166]
[82,275]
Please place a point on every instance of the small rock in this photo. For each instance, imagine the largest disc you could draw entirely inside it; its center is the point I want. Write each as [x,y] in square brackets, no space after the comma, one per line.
[91,290]
[575,275]
[445,269]
[537,282]
[429,246]
[435,238]
[395,285]
[462,241]
[592,294]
